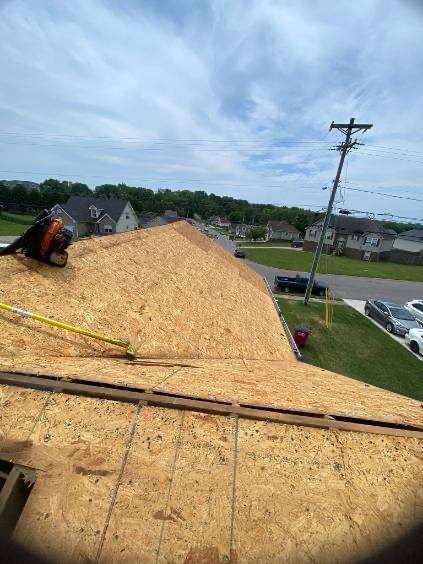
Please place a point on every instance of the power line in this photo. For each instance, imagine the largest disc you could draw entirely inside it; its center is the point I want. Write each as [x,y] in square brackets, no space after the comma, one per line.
[383,194]
[374,154]
[156,139]
[203,148]
[418,153]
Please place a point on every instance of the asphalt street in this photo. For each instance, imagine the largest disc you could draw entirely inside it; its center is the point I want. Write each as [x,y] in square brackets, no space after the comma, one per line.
[350,287]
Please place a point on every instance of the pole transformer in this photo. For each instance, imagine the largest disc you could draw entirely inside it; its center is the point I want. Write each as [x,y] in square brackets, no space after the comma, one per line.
[348,129]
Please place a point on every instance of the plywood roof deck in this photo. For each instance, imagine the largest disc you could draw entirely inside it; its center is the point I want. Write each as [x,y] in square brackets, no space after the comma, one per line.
[201,320]
[124,482]
[158,485]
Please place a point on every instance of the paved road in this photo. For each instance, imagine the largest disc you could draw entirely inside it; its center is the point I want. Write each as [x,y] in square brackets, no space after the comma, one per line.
[351,287]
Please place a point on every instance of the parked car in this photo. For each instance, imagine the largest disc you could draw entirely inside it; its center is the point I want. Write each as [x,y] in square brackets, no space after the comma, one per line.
[298,284]
[239,253]
[395,318]
[414,339]
[297,244]
[415,307]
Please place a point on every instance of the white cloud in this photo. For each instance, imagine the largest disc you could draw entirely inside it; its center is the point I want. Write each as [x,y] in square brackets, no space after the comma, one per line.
[244,74]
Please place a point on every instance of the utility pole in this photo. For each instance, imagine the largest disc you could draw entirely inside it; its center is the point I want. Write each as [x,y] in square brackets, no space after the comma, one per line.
[348,129]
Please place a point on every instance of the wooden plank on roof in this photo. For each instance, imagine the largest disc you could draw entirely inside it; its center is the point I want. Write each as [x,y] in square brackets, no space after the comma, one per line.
[285,384]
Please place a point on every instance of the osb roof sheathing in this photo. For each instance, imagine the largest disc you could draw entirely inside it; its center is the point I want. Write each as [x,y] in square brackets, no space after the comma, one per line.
[195,487]
[170,290]
[201,320]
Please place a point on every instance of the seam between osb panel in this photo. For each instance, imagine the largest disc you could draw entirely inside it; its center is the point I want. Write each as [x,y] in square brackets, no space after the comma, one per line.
[117,485]
[40,414]
[169,491]
[235,432]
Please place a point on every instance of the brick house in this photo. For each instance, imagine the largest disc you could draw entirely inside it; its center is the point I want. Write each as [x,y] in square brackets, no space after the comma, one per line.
[281,231]
[96,216]
[356,237]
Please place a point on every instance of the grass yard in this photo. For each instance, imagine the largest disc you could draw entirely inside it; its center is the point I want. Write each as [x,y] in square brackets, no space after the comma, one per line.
[9,223]
[355,347]
[266,244]
[301,261]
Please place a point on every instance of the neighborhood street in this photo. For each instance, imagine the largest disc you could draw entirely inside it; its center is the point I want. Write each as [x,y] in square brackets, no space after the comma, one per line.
[351,287]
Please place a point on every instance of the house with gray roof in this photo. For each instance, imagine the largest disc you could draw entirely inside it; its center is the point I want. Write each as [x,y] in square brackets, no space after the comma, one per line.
[86,216]
[410,241]
[356,237]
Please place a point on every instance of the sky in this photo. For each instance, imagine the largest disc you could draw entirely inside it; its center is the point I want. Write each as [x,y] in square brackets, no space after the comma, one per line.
[234,98]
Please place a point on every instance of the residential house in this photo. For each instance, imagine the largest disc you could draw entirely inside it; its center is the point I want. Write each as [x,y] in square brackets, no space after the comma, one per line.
[357,237]
[410,241]
[241,230]
[96,216]
[154,220]
[219,221]
[408,248]
[281,231]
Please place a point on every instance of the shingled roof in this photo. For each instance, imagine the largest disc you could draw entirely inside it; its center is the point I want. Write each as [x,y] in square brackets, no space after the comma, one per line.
[412,235]
[350,224]
[282,226]
[78,207]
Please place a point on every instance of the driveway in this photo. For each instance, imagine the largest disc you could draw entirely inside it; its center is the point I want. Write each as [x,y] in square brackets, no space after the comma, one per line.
[358,305]
[350,287]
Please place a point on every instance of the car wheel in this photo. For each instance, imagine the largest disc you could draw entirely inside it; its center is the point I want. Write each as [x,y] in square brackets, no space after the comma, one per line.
[286,289]
[321,293]
[367,311]
[414,347]
[389,327]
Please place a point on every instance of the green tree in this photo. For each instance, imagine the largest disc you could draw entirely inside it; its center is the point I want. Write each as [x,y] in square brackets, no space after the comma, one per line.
[257,233]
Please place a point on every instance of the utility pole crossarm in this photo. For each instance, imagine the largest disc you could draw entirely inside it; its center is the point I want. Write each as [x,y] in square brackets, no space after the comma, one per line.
[355,126]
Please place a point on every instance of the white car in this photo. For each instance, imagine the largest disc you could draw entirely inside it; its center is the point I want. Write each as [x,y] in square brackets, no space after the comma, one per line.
[415,307]
[414,339]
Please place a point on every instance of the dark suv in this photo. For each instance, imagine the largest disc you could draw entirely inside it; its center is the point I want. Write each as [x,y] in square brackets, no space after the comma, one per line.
[239,253]
[395,318]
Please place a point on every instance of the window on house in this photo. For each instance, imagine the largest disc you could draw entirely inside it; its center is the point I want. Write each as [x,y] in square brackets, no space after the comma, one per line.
[94,212]
[16,483]
[355,237]
[127,216]
[372,241]
[108,229]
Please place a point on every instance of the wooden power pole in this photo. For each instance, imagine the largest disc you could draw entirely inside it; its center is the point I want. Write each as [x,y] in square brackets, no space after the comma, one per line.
[348,129]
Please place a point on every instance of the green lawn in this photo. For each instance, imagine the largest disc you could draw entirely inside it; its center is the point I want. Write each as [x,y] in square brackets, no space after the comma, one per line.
[9,225]
[11,228]
[266,244]
[301,261]
[355,347]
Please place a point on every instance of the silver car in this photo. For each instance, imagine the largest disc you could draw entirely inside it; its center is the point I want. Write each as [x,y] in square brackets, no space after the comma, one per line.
[395,318]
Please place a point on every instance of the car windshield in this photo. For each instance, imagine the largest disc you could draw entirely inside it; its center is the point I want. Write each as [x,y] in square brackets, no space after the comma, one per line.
[401,313]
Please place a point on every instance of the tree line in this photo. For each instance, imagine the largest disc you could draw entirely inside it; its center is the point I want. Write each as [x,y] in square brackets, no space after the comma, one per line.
[145,200]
